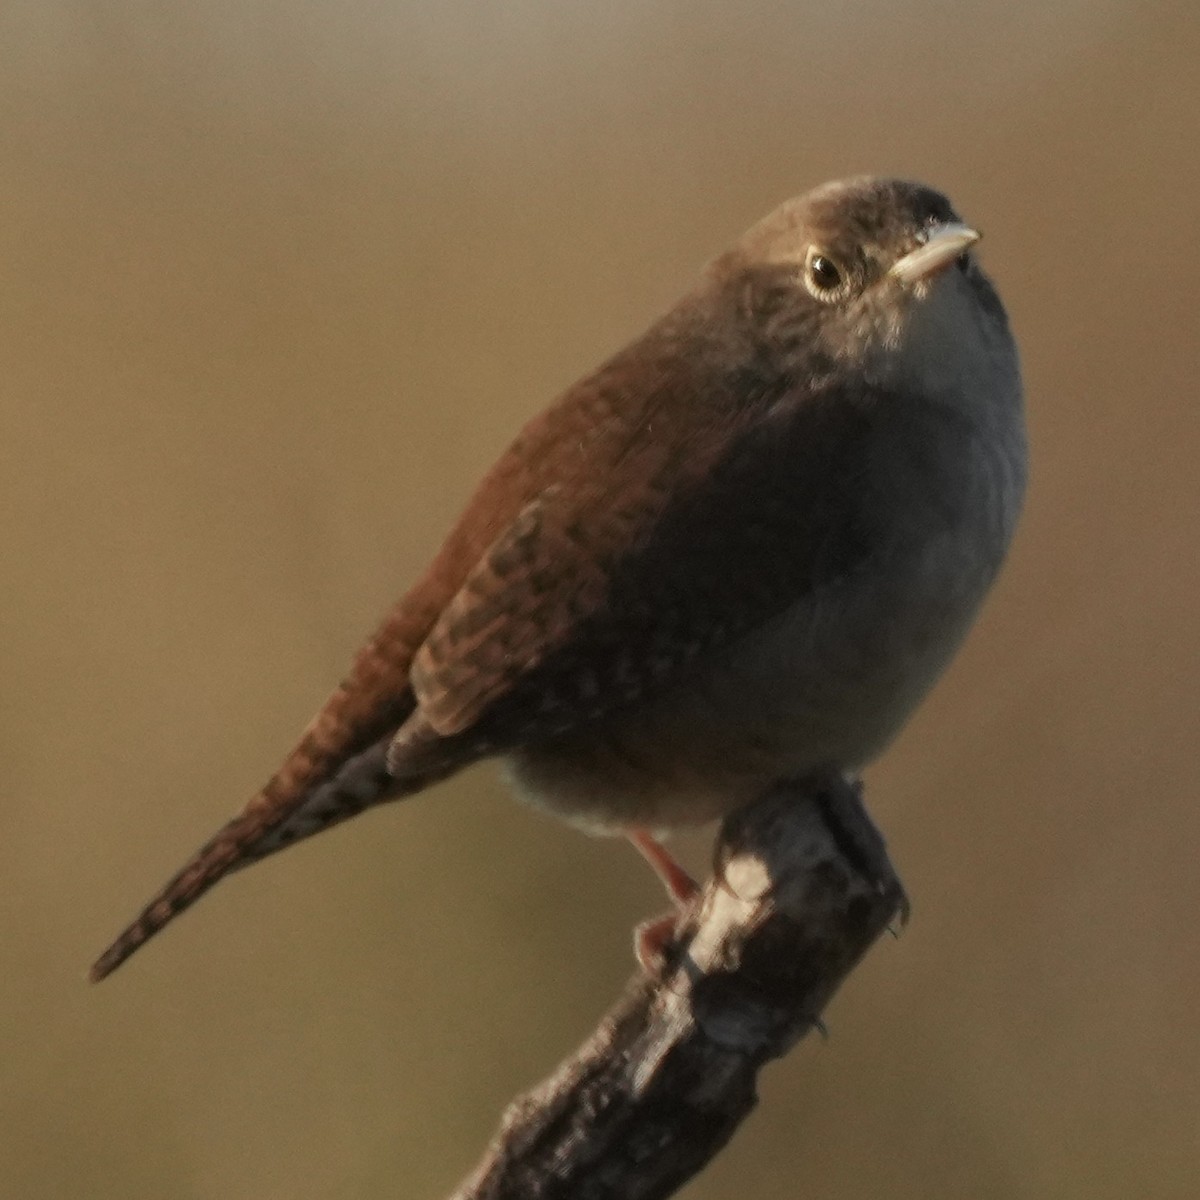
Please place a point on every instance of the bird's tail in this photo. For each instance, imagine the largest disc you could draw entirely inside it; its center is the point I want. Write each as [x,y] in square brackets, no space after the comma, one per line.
[262,828]
[337,769]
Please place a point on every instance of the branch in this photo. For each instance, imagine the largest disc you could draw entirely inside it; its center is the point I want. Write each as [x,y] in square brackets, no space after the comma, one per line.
[803,888]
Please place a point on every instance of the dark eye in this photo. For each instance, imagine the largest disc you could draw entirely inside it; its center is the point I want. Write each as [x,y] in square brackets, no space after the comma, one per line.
[823,272]
[963,263]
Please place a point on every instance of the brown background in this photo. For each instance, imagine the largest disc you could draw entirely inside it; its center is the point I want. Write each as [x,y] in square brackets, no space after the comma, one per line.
[277,280]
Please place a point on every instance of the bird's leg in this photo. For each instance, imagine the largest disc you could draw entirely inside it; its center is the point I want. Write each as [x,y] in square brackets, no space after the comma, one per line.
[681,887]
[652,939]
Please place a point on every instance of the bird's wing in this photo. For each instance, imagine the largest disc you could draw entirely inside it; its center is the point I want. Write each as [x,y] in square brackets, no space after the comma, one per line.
[591,597]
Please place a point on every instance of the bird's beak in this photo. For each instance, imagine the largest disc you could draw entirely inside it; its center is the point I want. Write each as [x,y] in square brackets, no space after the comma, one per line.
[943,245]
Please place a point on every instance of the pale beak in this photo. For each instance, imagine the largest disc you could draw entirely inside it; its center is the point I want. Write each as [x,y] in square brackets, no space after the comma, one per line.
[943,245]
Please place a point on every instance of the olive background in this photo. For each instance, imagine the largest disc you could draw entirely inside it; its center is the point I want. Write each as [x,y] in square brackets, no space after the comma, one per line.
[277,282]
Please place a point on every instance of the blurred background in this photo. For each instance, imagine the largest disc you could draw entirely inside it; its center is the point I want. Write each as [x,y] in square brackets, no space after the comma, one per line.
[278,281]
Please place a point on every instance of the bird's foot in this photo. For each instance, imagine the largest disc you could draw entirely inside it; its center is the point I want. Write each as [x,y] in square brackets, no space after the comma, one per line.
[653,940]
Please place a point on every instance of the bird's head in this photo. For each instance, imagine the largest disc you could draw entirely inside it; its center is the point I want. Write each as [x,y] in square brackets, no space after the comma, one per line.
[876,277]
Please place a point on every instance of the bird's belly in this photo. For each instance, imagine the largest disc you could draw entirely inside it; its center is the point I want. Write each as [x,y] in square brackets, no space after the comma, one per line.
[828,683]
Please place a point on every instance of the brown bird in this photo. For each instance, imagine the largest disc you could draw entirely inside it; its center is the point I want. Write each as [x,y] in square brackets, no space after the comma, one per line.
[741,550]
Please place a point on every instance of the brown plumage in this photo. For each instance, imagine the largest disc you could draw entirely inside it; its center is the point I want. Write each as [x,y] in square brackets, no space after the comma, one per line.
[742,548]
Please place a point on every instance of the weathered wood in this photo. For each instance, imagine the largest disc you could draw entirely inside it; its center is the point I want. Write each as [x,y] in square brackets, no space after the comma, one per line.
[803,887]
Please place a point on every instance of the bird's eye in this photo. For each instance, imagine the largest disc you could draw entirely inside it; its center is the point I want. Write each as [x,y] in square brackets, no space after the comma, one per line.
[963,262]
[823,273]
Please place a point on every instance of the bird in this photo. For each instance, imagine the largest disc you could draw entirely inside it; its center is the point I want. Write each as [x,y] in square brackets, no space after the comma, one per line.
[739,551]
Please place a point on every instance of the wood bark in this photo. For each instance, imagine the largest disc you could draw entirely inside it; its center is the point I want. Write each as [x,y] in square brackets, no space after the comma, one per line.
[801,888]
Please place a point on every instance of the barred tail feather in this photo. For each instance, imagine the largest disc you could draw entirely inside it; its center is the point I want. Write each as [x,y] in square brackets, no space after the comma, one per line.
[206,867]
[262,829]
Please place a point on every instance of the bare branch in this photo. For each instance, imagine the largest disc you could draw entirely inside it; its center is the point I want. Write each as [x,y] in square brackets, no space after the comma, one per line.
[803,888]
